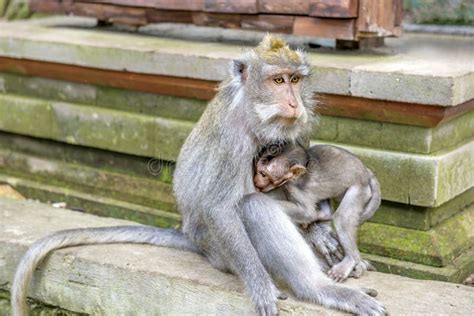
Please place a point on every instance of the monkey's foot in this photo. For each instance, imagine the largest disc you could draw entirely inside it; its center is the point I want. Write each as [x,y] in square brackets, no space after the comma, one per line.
[341,271]
[325,243]
[360,268]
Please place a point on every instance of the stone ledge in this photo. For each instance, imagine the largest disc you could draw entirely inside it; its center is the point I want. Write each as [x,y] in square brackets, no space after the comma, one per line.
[367,133]
[405,78]
[423,180]
[125,279]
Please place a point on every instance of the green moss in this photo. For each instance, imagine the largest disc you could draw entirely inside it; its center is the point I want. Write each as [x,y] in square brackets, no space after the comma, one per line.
[36,308]
[436,247]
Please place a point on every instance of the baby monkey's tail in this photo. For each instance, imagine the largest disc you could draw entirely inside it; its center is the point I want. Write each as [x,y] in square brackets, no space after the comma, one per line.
[87,236]
[375,200]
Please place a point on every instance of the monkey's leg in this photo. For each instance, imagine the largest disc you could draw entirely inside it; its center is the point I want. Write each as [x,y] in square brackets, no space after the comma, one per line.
[346,221]
[285,253]
[229,241]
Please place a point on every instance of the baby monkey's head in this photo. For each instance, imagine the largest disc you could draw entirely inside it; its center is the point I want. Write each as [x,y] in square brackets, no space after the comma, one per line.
[273,171]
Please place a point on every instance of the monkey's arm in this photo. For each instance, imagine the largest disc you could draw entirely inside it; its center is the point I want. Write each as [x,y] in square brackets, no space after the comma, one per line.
[298,213]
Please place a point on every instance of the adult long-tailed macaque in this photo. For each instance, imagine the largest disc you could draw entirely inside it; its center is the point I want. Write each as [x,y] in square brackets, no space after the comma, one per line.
[315,175]
[267,98]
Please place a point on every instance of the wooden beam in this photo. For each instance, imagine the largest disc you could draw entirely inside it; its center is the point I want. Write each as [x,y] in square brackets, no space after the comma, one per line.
[324,27]
[230,21]
[333,8]
[166,85]
[190,5]
[268,22]
[379,18]
[231,6]
[329,104]
[284,6]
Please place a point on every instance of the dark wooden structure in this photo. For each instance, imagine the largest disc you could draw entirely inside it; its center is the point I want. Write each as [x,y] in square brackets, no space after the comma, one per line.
[349,20]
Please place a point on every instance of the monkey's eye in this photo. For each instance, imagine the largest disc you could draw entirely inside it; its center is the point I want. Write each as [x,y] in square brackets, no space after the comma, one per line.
[295,79]
[279,80]
[263,174]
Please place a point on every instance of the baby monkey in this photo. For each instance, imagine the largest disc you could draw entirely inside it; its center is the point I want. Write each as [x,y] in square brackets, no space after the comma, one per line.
[308,178]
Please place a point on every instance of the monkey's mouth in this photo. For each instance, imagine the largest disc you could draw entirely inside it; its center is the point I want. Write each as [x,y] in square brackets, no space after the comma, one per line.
[288,121]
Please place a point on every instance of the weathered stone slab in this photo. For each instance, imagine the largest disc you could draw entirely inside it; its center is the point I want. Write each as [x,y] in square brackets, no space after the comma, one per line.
[147,182]
[421,218]
[96,127]
[397,137]
[455,272]
[423,180]
[124,279]
[92,203]
[405,78]
[335,129]
[124,186]
[435,247]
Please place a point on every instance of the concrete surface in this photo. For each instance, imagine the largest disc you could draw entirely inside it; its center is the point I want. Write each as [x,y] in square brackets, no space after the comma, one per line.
[133,279]
[405,77]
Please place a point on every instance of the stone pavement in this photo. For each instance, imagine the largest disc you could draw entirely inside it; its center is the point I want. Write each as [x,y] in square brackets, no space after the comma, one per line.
[141,279]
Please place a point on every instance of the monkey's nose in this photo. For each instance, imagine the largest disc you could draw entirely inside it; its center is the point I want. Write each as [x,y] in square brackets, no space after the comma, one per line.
[292,104]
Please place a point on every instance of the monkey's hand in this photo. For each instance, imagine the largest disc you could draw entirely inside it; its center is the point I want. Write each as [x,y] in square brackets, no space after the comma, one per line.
[325,242]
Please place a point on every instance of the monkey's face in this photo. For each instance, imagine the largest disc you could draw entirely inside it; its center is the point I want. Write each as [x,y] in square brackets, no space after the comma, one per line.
[280,97]
[271,174]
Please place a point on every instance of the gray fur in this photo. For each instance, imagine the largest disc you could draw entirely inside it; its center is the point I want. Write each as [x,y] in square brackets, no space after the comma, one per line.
[332,173]
[236,228]
[87,236]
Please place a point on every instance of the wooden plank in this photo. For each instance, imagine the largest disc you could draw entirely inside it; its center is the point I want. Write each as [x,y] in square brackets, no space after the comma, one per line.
[268,22]
[111,13]
[323,27]
[52,6]
[284,6]
[185,5]
[390,111]
[217,19]
[379,18]
[168,16]
[333,8]
[329,104]
[231,6]
[166,85]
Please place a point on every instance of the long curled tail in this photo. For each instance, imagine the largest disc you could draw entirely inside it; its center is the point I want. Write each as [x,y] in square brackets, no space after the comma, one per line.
[87,236]
[375,200]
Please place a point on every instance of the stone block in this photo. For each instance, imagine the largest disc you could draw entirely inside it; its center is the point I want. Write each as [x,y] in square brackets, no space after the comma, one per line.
[397,137]
[437,247]
[25,116]
[140,279]
[423,180]
[93,203]
[421,218]
[335,129]
[122,186]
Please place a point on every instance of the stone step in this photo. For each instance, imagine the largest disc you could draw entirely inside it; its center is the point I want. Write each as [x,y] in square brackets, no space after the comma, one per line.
[147,182]
[437,246]
[135,279]
[92,203]
[423,180]
[120,131]
[402,77]
[384,135]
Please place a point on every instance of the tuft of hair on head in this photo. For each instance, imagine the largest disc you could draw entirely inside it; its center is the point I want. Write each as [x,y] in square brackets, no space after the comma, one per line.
[274,50]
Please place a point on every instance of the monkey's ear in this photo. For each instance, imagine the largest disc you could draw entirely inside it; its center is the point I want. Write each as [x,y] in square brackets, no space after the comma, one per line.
[298,170]
[239,70]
